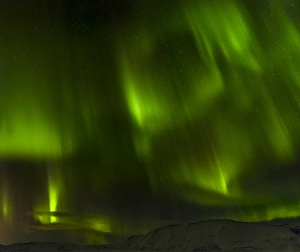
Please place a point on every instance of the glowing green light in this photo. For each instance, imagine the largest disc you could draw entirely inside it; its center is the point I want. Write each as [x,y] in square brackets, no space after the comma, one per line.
[53,198]
[26,134]
[229,92]
[223,26]
[212,98]
[5,205]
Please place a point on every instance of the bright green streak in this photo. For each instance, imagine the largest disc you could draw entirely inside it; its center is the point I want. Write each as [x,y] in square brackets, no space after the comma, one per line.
[53,193]
[242,94]
[211,92]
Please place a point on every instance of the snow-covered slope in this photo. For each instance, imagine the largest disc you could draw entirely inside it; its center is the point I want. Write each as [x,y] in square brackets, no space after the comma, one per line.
[217,235]
[211,235]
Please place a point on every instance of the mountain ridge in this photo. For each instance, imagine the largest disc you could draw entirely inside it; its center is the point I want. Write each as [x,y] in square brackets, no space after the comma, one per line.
[207,235]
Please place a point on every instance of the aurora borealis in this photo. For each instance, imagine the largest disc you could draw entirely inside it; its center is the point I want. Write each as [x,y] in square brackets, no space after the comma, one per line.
[119,116]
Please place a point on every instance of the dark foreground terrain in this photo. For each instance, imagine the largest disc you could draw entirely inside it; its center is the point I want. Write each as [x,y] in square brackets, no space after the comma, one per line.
[210,235]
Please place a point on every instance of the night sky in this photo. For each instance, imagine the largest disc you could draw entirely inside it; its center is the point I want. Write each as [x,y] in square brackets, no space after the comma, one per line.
[118,116]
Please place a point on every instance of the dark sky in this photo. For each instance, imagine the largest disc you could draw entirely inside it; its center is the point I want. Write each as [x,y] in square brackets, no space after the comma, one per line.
[117,117]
